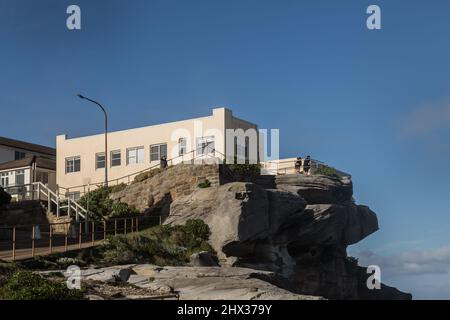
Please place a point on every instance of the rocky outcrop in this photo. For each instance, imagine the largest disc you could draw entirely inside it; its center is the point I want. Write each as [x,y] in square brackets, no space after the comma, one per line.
[299,231]
[317,189]
[184,283]
[155,190]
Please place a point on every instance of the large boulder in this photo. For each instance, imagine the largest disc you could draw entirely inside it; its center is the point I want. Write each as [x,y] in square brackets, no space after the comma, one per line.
[253,226]
[301,235]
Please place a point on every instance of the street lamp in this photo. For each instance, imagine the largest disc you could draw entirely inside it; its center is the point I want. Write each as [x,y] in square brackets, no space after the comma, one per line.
[106,134]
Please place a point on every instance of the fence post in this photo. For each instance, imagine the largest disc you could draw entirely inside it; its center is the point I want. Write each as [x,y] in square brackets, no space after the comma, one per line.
[115,227]
[79,235]
[160,220]
[67,230]
[50,239]
[68,210]
[32,240]
[14,244]
[132,225]
[125,226]
[93,232]
[104,229]
[137,224]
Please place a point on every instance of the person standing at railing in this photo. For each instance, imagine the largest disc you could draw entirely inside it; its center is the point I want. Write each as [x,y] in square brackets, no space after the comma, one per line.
[298,165]
[307,165]
[163,162]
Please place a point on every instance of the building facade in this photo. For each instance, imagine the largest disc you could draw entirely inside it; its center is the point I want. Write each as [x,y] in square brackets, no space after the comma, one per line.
[81,161]
[11,150]
[23,163]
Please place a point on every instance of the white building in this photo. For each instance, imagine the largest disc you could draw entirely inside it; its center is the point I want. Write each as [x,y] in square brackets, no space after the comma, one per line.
[22,163]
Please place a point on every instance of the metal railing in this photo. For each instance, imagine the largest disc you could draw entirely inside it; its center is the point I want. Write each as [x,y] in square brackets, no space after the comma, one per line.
[20,242]
[287,166]
[41,192]
[208,153]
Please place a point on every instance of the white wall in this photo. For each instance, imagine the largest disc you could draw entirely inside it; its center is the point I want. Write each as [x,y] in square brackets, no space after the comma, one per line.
[87,147]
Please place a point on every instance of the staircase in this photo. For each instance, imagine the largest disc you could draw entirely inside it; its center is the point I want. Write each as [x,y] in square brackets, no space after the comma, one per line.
[38,194]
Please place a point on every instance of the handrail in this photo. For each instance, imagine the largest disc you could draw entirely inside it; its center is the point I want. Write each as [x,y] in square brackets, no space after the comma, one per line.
[127,177]
[38,188]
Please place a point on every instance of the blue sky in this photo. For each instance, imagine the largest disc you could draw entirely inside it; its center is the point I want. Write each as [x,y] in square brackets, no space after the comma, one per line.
[372,103]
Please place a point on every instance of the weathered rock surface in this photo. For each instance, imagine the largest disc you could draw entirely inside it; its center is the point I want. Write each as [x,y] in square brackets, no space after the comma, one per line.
[203,259]
[299,231]
[158,188]
[317,189]
[186,283]
[217,283]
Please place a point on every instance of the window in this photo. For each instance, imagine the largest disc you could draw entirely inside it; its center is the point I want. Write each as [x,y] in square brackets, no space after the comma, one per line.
[182,147]
[205,145]
[116,159]
[100,160]
[135,155]
[75,196]
[157,151]
[20,177]
[4,179]
[42,176]
[19,155]
[73,164]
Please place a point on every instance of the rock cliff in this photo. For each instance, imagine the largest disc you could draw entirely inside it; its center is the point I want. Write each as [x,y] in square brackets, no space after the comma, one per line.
[297,227]
[299,231]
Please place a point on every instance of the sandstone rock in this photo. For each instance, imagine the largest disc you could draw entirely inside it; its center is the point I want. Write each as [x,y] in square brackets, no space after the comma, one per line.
[110,274]
[216,283]
[203,259]
[317,189]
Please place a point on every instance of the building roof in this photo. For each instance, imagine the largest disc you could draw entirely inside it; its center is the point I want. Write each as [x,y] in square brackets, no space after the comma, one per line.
[41,162]
[27,146]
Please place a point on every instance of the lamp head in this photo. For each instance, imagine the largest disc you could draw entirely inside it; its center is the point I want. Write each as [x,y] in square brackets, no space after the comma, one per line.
[80,96]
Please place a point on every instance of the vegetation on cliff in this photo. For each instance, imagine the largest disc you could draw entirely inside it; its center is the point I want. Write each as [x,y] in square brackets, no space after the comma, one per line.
[101,206]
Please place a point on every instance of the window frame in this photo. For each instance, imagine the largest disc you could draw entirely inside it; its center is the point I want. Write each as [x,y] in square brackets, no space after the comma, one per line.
[18,155]
[115,152]
[73,160]
[202,144]
[97,155]
[159,154]
[136,149]
[19,173]
[182,146]
[4,176]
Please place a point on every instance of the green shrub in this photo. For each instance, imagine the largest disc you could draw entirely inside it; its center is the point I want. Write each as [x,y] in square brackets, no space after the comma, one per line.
[245,171]
[118,188]
[327,171]
[161,245]
[205,184]
[197,228]
[24,285]
[5,198]
[101,206]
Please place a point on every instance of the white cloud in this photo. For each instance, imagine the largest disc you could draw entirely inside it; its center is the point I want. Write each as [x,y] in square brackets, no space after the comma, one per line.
[431,261]
[426,119]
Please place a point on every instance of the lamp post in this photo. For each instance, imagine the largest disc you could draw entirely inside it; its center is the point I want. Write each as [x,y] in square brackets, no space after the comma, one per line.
[106,134]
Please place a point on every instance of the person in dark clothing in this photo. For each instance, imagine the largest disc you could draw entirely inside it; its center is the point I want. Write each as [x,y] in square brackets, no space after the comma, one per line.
[298,164]
[163,162]
[307,165]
